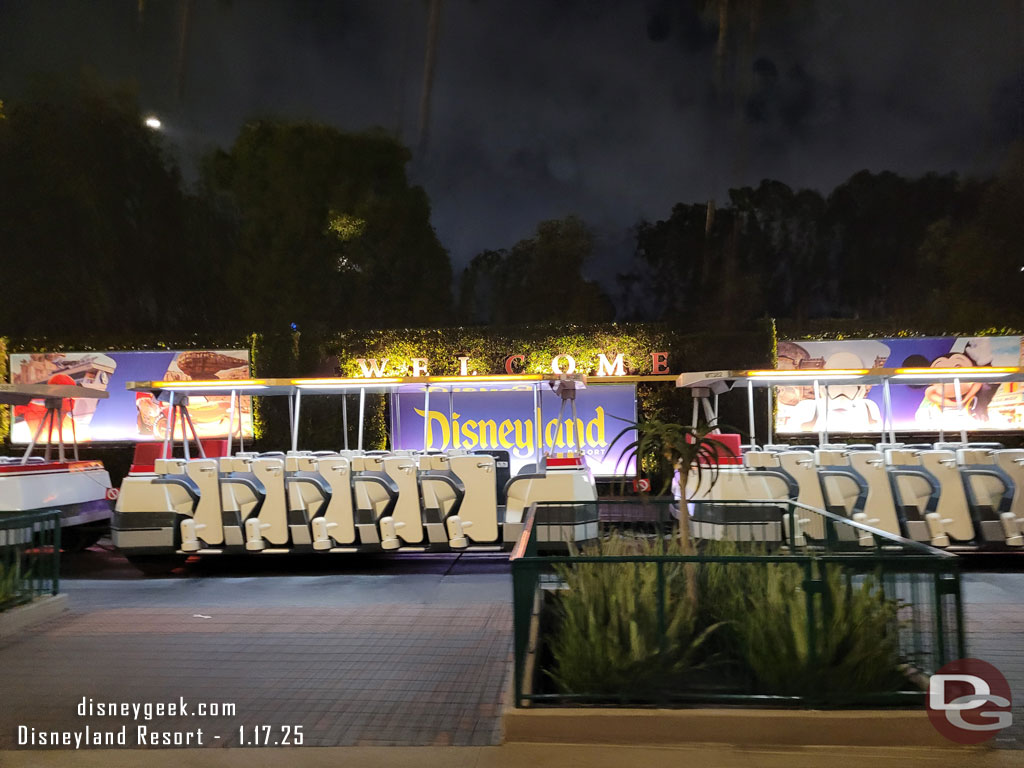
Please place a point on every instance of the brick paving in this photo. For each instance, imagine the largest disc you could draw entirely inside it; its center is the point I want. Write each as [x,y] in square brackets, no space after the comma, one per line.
[410,659]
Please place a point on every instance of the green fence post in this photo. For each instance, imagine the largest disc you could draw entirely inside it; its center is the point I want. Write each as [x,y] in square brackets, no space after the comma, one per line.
[662,640]
[940,630]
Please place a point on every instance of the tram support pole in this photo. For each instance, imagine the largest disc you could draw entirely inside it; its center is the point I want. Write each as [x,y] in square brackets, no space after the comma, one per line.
[231,422]
[750,410]
[295,423]
[426,415]
[960,408]
[817,412]
[344,418]
[362,412]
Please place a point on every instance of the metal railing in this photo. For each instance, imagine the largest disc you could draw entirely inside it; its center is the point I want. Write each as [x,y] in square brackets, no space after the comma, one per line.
[29,557]
[768,613]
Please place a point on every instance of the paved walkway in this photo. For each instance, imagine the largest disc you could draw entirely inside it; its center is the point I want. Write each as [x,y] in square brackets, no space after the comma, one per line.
[994,615]
[402,659]
[360,661]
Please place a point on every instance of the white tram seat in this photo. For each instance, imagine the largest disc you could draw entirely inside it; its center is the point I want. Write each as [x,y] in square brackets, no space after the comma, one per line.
[1011,461]
[241,495]
[308,495]
[406,524]
[375,496]
[177,490]
[442,494]
[479,509]
[844,491]
[762,479]
[337,525]
[953,508]
[990,493]
[205,525]
[879,507]
[916,494]
[800,465]
[270,524]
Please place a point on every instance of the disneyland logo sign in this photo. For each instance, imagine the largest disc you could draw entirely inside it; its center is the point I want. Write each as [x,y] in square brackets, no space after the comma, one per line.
[375,368]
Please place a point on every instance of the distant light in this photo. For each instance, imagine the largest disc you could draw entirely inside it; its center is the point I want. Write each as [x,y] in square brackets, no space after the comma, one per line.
[152,121]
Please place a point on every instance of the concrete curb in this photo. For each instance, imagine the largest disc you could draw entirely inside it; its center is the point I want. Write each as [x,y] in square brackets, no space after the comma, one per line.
[737,727]
[20,618]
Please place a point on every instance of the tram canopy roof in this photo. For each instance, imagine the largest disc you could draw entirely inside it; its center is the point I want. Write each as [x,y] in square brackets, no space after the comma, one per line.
[23,394]
[382,385]
[723,381]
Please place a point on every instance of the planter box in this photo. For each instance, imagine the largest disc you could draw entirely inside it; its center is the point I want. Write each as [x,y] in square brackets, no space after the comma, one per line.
[15,620]
[739,727]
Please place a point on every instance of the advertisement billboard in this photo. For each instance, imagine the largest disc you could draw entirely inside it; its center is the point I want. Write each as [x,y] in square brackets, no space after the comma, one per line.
[983,405]
[129,416]
[501,417]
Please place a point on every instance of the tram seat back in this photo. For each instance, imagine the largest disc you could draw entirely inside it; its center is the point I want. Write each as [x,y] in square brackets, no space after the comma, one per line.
[172,488]
[375,495]
[879,506]
[953,505]
[337,524]
[169,466]
[761,460]
[916,494]
[1011,461]
[207,517]
[800,465]
[479,508]
[406,514]
[844,490]
[273,515]
[990,493]
[442,493]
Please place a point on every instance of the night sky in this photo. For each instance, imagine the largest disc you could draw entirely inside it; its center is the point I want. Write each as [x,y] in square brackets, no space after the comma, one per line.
[542,108]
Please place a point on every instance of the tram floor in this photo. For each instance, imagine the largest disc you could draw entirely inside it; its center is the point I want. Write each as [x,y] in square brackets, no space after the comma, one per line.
[379,652]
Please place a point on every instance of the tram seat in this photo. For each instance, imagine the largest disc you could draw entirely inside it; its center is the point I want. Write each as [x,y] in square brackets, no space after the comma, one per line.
[800,465]
[569,487]
[205,524]
[990,493]
[308,495]
[762,481]
[479,509]
[844,491]
[242,496]
[1011,461]
[375,495]
[953,506]
[879,509]
[177,489]
[270,524]
[337,524]
[442,493]
[406,524]
[916,494]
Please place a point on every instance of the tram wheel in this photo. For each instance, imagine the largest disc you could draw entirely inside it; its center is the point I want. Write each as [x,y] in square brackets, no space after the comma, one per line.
[156,565]
[74,540]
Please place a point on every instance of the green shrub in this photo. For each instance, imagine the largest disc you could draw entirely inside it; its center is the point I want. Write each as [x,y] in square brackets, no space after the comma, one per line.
[11,592]
[764,607]
[751,621]
[607,638]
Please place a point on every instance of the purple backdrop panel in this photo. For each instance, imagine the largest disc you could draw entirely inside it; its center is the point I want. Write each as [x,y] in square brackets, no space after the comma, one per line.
[983,405]
[501,417]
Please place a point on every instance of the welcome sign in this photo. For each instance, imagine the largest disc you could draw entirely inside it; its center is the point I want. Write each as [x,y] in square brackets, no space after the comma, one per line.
[503,417]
